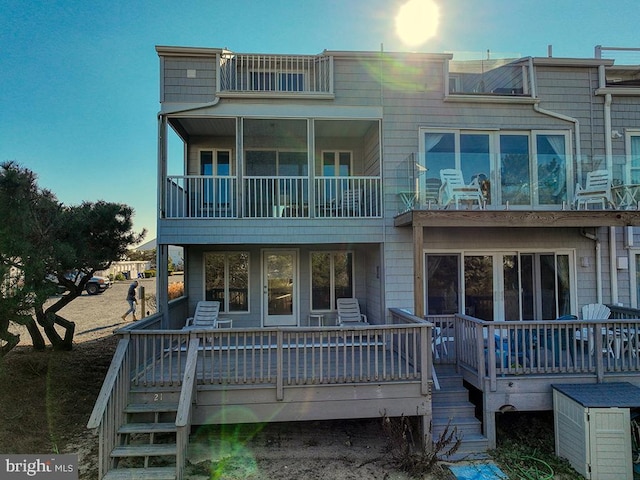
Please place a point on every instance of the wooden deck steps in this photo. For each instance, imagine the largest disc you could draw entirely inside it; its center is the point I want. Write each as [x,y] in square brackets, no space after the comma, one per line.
[146,447]
[451,408]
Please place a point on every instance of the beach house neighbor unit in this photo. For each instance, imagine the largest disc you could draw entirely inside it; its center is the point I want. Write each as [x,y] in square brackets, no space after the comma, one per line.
[473,205]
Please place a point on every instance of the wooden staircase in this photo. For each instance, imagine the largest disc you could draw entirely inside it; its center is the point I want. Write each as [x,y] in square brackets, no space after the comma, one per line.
[146,442]
[452,408]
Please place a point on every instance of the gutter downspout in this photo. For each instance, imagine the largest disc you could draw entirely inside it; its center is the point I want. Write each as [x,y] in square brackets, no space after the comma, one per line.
[608,152]
[549,113]
[593,237]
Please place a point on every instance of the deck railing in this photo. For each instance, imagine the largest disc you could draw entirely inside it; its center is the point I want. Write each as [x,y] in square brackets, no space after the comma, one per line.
[198,196]
[275,74]
[108,412]
[570,347]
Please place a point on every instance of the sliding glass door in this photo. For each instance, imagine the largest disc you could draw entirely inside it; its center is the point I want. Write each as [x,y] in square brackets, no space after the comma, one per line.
[499,286]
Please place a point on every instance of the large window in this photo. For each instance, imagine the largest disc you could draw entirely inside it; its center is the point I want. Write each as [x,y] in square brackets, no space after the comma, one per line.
[529,168]
[633,165]
[331,278]
[500,285]
[227,280]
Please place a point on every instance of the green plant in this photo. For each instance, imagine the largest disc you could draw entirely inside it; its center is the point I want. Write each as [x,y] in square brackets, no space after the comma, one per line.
[120,277]
[418,458]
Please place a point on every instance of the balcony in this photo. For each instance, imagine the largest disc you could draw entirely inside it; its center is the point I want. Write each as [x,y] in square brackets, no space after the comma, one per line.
[543,182]
[219,197]
[488,74]
[274,75]
[625,72]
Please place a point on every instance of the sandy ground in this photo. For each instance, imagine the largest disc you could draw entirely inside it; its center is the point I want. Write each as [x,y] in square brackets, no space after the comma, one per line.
[337,450]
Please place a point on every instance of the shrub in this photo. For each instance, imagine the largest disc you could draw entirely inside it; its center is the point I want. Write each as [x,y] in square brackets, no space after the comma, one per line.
[120,277]
[149,273]
[417,458]
[176,290]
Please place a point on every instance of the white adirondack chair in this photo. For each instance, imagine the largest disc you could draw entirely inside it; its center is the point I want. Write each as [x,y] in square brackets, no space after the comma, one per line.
[596,190]
[597,311]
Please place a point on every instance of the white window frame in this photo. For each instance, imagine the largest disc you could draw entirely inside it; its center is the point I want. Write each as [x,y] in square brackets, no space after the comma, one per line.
[332,284]
[225,308]
[214,157]
[628,135]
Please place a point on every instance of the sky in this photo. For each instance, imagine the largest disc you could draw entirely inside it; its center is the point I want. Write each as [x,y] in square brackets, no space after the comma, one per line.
[79,80]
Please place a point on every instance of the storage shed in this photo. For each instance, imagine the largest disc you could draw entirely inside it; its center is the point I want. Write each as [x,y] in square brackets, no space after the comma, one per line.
[593,428]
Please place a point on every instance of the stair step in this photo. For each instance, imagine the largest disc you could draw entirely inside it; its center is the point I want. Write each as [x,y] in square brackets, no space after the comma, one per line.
[464,425]
[453,409]
[458,394]
[145,450]
[147,428]
[151,407]
[155,473]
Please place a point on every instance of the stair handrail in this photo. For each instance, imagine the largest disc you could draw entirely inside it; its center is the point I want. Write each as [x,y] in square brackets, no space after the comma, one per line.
[111,401]
[187,397]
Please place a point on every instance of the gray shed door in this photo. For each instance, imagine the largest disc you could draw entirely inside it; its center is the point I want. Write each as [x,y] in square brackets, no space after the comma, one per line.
[610,443]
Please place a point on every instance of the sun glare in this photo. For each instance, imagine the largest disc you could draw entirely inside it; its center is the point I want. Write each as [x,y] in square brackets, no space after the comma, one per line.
[417,21]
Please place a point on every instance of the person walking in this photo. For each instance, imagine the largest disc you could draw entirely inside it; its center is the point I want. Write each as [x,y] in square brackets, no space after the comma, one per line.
[131,299]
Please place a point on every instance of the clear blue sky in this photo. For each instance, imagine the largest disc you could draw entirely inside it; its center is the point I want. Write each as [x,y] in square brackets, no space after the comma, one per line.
[79,79]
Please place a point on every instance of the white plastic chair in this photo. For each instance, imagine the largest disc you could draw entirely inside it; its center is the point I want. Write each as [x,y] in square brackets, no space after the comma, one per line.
[454,189]
[596,190]
[597,311]
[349,312]
[205,316]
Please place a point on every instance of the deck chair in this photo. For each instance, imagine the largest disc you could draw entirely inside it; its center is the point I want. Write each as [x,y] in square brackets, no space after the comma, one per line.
[205,316]
[349,312]
[453,189]
[597,311]
[596,190]
[431,197]
[350,202]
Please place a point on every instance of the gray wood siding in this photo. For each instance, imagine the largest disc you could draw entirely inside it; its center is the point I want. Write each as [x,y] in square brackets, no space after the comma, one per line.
[177,87]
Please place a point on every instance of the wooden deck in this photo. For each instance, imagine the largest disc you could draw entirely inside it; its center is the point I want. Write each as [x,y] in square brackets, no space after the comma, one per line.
[514,364]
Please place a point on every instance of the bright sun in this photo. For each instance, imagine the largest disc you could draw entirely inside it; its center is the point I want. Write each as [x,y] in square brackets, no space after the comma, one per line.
[417,21]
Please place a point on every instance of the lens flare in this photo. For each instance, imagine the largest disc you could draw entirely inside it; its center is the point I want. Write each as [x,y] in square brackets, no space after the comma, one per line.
[417,21]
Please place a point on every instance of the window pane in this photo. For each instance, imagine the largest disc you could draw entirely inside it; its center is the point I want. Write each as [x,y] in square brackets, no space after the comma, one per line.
[635,160]
[478,286]
[514,169]
[439,152]
[345,164]
[292,164]
[260,163]
[224,163]
[214,277]
[475,161]
[552,169]
[511,287]
[556,294]
[320,281]
[343,265]
[238,282]
[206,163]
[442,284]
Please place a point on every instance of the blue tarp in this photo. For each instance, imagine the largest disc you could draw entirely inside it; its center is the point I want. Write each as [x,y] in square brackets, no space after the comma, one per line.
[480,471]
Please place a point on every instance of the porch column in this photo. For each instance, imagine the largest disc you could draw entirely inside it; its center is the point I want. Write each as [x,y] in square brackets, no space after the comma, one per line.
[162,283]
[418,271]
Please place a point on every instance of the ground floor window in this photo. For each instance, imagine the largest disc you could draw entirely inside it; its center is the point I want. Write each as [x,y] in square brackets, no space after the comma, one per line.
[500,285]
[331,278]
[227,280]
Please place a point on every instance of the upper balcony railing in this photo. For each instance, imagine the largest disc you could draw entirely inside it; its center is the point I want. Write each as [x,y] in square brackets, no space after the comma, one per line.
[206,196]
[275,74]
[625,72]
[488,74]
[520,181]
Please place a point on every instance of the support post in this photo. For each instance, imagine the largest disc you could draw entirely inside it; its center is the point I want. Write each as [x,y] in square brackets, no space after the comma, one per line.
[162,284]
[418,271]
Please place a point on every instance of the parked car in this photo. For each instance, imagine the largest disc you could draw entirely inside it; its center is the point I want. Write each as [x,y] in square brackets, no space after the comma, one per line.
[94,286]
[97,285]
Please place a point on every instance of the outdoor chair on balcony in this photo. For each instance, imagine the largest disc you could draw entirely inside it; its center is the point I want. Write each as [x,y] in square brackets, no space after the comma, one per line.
[596,190]
[206,317]
[432,192]
[597,311]
[350,202]
[454,190]
[349,313]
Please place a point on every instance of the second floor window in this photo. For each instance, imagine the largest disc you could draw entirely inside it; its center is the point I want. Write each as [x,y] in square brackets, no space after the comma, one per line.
[227,280]
[331,278]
